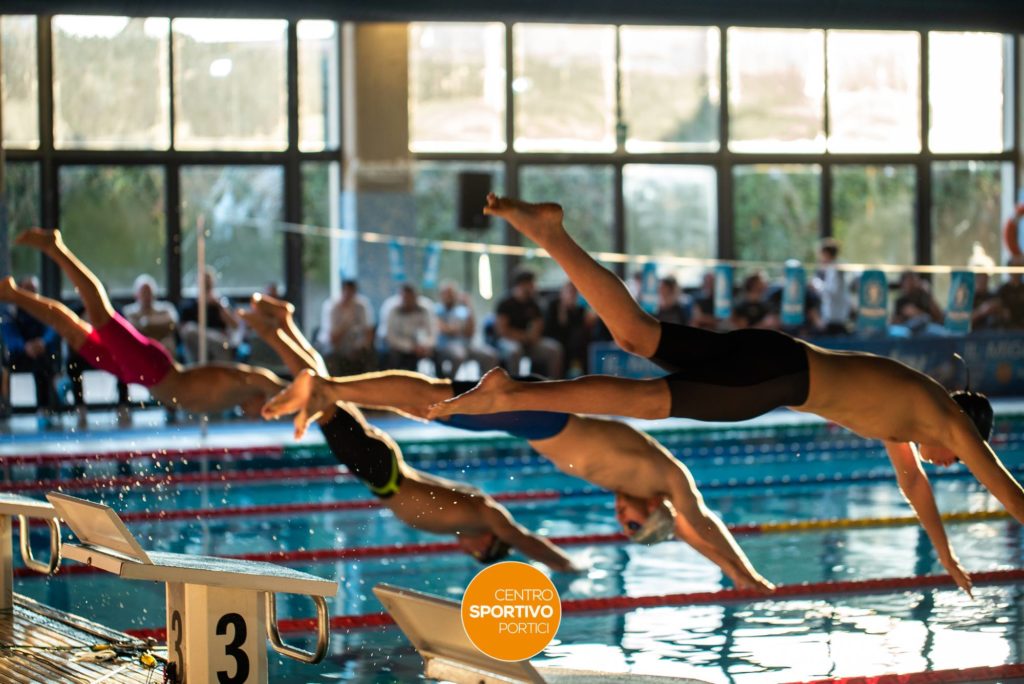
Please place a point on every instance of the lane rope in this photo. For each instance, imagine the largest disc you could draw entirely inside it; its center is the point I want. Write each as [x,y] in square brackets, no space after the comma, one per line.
[431,548]
[621,603]
[968,674]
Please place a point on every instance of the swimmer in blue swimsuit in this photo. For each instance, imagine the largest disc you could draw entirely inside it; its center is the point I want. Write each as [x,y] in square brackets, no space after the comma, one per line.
[483,527]
[742,374]
[655,495]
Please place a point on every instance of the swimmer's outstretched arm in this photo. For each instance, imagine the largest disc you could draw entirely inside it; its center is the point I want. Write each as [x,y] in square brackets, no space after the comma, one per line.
[595,394]
[531,545]
[699,527]
[981,460]
[915,487]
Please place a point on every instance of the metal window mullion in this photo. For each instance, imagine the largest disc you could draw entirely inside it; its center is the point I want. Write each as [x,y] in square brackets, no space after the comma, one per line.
[50,199]
[825,201]
[923,238]
[724,162]
[510,157]
[293,242]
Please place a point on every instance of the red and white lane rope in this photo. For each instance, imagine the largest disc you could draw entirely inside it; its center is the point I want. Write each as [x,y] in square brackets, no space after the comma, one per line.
[991,673]
[619,603]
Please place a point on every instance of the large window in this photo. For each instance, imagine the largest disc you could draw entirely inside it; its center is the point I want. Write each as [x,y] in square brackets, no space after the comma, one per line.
[320,207]
[20,81]
[778,212]
[229,84]
[873,213]
[113,219]
[319,127]
[110,83]
[967,209]
[457,87]
[965,75]
[22,186]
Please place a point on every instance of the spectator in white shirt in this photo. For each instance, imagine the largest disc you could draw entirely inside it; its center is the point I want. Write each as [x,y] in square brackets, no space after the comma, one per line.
[456,328]
[835,297]
[346,332]
[411,330]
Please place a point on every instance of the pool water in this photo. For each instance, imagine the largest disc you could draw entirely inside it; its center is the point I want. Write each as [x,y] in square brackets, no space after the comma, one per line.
[747,475]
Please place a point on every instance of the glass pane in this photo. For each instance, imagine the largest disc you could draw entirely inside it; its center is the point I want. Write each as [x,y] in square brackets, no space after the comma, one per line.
[241,206]
[229,84]
[671,210]
[776,89]
[564,88]
[585,192]
[22,187]
[456,87]
[965,98]
[873,213]
[874,91]
[321,188]
[670,88]
[104,206]
[436,186]
[777,212]
[966,208]
[21,81]
[319,97]
[110,83]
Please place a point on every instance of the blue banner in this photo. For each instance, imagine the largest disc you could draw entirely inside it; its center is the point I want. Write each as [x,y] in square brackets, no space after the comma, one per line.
[873,310]
[431,265]
[961,302]
[794,294]
[649,287]
[396,261]
[723,290]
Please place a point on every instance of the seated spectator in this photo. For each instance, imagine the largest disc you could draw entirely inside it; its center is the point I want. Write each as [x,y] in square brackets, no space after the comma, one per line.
[1011,296]
[915,309]
[411,330]
[752,310]
[346,332]
[31,347]
[831,286]
[673,305]
[569,323]
[703,311]
[456,328]
[519,325]
[221,324]
[987,310]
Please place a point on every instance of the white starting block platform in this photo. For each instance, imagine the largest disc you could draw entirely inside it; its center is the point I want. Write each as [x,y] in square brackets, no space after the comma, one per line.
[434,626]
[220,613]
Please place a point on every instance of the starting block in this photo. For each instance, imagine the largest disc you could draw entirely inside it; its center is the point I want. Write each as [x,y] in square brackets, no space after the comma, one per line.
[22,506]
[434,626]
[220,612]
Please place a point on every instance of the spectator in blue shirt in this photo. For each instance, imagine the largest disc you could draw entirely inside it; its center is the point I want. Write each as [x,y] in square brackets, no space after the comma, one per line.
[31,347]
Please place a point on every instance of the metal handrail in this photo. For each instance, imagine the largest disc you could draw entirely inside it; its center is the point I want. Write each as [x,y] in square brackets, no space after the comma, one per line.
[323,635]
[26,549]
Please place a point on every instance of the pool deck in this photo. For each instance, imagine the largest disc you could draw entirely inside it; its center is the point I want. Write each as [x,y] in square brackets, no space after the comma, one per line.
[152,435]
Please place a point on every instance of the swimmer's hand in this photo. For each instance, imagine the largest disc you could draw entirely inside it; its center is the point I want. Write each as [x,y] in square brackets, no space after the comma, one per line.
[298,398]
[957,572]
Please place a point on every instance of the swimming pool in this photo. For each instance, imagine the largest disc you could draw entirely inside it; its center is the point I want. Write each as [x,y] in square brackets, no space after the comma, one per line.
[750,474]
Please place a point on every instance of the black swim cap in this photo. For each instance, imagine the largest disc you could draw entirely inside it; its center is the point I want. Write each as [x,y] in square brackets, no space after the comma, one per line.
[498,550]
[978,408]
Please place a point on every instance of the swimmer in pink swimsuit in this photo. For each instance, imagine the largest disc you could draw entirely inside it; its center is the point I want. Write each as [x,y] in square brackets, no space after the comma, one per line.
[112,344]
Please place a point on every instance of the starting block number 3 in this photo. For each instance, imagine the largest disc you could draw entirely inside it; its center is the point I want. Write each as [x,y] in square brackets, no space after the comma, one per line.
[216,635]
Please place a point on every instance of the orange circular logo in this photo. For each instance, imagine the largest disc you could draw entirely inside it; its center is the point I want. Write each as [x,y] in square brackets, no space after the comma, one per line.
[511,611]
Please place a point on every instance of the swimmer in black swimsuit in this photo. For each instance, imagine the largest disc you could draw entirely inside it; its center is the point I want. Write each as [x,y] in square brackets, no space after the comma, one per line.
[483,527]
[741,374]
[655,495]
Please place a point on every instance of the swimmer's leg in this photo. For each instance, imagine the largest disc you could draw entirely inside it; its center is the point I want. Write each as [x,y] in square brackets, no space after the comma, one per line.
[597,394]
[633,329]
[295,357]
[51,312]
[90,289]
[283,313]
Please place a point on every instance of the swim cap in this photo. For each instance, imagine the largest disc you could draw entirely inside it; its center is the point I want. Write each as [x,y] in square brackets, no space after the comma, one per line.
[978,408]
[659,527]
[496,551]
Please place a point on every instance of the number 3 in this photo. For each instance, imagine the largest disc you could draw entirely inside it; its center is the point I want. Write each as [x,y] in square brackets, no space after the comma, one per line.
[234,649]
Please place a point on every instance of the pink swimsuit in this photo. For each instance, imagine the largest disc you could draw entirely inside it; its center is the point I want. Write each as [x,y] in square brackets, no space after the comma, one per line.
[123,351]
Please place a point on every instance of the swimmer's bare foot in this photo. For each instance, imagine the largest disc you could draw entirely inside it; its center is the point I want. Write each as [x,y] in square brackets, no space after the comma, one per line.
[38,238]
[539,222]
[487,397]
[275,308]
[257,321]
[8,289]
[303,398]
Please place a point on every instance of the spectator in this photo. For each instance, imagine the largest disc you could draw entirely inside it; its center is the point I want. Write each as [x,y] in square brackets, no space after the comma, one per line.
[569,323]
[519,325]
[1011,296]
[221,323]
[812,312]
[411,330]
[987,311]
[345,337]
[704,303]
[456,328]
[752,311]
[673,305]
[154,318]
[32,347]
[915,308]
[835,296]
